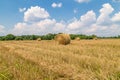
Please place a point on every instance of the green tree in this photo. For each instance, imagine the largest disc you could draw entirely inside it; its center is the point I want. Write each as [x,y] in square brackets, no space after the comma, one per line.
[18,38]
[94,36]
[2,38]
[9,37]
[33,37]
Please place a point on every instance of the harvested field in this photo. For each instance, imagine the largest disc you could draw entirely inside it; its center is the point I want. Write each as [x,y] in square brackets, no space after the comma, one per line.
[47,60]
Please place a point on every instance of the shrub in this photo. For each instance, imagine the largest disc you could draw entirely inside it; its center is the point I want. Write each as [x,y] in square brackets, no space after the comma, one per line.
[9,37]
[18,38]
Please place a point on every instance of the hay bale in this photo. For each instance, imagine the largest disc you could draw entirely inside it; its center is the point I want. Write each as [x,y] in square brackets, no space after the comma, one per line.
[39,39]
[77,38]
[95,38]
[63,39]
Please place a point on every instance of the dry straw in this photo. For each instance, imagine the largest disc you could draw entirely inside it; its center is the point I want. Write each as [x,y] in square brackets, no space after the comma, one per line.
[39,39]
[63,39]
[77,38]
[95,38]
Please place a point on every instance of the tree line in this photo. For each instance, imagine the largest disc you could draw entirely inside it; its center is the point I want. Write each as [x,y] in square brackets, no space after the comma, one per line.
[48,37]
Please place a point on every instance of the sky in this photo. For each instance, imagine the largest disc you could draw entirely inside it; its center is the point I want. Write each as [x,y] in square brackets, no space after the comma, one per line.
[39,17]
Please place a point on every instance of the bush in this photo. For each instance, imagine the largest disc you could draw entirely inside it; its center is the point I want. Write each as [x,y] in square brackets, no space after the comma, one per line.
[9,37]
[18,38]
[2,38]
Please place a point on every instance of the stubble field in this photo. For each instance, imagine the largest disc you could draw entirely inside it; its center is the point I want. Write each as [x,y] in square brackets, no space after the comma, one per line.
[47,60]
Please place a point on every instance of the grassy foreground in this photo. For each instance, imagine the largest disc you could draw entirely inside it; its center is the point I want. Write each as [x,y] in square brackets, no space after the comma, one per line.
[46,60]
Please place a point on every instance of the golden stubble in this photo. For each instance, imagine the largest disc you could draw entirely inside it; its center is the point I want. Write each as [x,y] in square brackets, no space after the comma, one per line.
[80,60]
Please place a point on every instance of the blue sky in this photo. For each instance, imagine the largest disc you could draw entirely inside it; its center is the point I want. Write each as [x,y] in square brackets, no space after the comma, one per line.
[100,17]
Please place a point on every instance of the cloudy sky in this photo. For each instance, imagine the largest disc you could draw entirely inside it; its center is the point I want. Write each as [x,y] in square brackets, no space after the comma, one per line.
[20,17]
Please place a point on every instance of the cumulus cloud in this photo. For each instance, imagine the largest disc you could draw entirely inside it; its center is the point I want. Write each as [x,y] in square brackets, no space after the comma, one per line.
[59,27]
[2,29]
[82,1]
[88,23]
[88,18]
[22,9]
[54,5]
[103,25]
[37,21]
[40,27]
[94,28]
[19,28]
[104,17]
[74,25]
[116,17]
[35,13]
[85,20]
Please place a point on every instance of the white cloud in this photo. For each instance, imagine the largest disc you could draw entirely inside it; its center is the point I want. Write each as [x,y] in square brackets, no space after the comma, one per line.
[85,20]
[116,17]
[88,23]
[54,5]
[105,25]
[2,28]
[82,1]
[33,28]
[105,12]
[107,9]
[22,9]
[42,27]
[74,25]
[37,21]
[19,28]
[46,22]
[59,27]
[116,0]
[92,28]
[88,18]
[35,13]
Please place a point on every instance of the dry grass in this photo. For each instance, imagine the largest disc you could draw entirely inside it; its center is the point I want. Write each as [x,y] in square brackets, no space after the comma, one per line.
[46,60]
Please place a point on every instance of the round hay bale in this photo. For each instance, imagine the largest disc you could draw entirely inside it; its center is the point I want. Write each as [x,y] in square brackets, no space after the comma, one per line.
[95,38]
[77,38]
[63,39]
[39,39]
